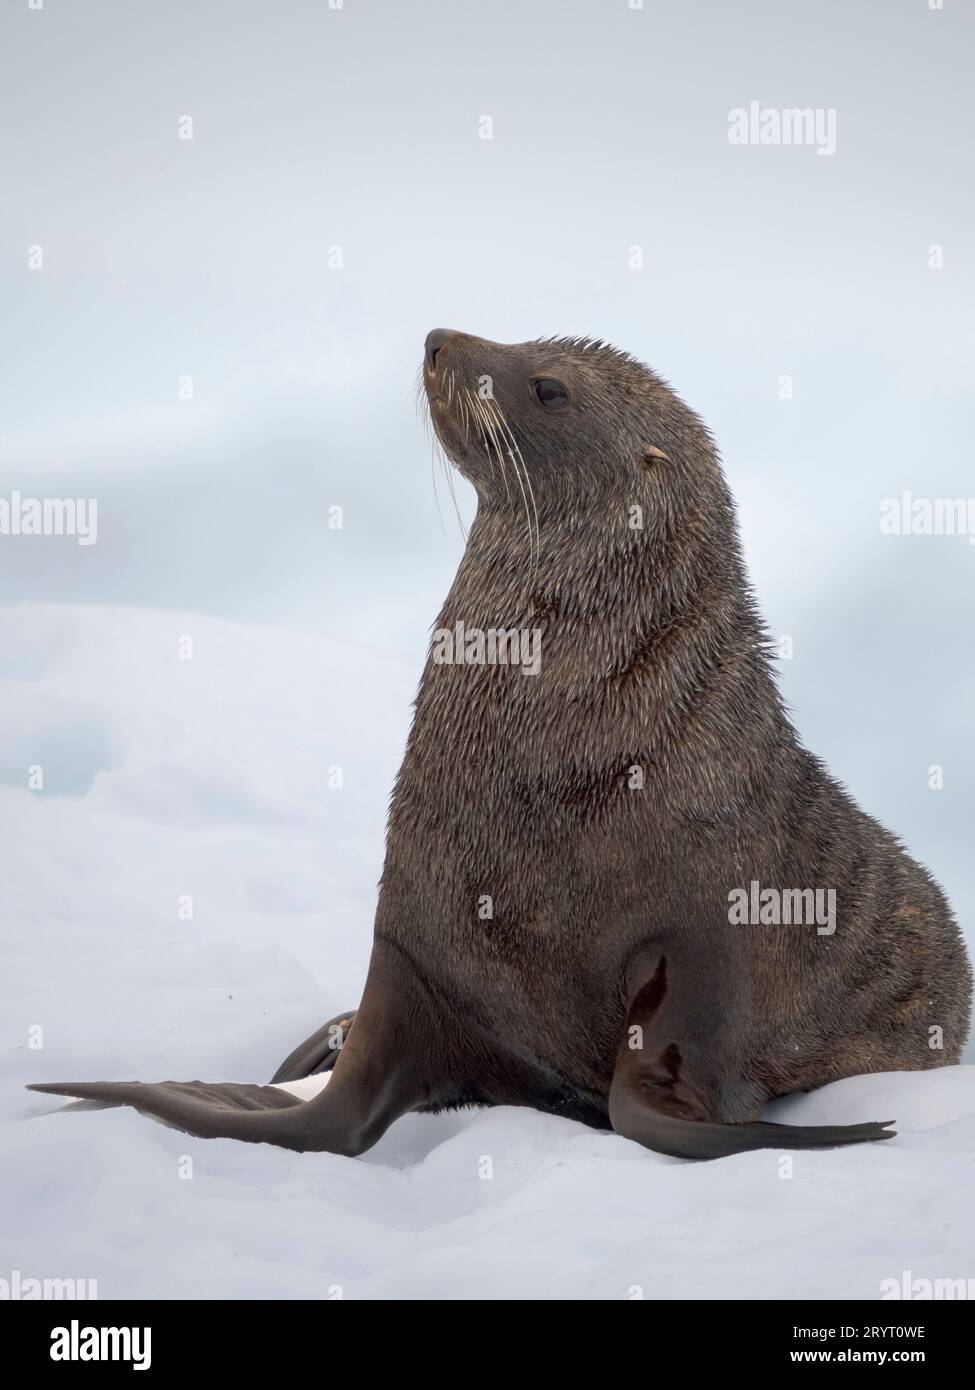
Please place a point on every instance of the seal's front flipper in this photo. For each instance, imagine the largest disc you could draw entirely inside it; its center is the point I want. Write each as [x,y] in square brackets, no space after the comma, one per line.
[317,1053]
[226,1109]
[345,1117]
[676,1071]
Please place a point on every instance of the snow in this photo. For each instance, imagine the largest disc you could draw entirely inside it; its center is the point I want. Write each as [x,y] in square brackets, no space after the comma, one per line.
[210,777]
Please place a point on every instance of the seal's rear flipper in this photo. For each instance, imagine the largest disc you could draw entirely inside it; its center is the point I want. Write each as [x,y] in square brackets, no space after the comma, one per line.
[317,1053]
[667,1134]
[677,1076]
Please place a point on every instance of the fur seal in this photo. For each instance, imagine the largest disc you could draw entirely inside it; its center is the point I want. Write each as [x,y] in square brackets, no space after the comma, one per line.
[553,926]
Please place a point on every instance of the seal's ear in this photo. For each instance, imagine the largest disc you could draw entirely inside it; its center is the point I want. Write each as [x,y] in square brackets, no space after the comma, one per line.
[654,455]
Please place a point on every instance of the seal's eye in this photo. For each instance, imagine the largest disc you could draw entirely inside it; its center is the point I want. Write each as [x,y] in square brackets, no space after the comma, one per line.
[552,394]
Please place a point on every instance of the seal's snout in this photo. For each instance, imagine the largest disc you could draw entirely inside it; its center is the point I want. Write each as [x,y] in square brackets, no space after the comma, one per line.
[434,342]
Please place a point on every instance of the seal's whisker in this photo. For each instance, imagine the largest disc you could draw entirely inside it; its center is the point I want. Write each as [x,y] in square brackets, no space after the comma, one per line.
[436,494]
[490,430]
[436,450]
[449,475]
[453,496]
[420,397]
[490,439]
[518,465]
[516,448]
[432,438]
[478,411]
[516,456]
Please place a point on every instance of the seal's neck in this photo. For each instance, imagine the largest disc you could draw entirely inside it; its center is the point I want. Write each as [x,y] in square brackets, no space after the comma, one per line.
[609,565]
[638,629]
[647,654]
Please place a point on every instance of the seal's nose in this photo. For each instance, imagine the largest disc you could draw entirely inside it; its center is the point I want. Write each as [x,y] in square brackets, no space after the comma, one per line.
[434,342]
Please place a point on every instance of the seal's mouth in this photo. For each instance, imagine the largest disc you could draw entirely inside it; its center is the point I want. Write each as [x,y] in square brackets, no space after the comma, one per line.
[434,374]
[472,428]
[443,383]
[460,417]
[467,421]
[439,378]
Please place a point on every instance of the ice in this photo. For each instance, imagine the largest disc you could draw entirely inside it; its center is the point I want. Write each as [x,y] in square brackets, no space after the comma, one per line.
[210,779]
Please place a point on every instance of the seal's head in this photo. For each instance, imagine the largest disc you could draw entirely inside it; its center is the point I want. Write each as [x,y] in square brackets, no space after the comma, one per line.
[566,420]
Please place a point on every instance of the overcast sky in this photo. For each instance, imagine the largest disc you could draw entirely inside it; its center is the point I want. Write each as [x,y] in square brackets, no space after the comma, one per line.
[360,128]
